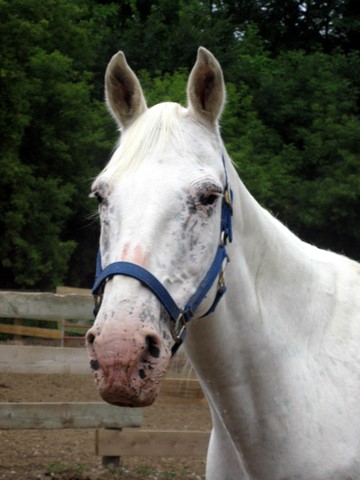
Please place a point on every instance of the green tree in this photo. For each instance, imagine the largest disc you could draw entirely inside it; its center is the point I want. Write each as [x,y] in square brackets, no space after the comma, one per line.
[300,24]
[50,133]
[298,146]
[163,35]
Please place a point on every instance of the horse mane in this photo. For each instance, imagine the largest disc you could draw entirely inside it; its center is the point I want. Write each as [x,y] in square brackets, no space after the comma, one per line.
[157,128]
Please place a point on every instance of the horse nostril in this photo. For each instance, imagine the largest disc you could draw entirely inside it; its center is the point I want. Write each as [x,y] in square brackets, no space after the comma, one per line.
[90,338]
[94,364]
[153,350]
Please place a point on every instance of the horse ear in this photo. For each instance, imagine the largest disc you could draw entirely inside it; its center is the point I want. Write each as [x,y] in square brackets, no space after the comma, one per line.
[123,92]
[206,88]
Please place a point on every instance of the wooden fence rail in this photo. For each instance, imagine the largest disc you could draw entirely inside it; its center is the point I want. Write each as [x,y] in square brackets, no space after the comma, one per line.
[62,308]
[151,443]
[52,415]
[36,360]
[45,306]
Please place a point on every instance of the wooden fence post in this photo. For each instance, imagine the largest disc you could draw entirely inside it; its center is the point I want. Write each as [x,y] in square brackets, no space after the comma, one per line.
[18,323]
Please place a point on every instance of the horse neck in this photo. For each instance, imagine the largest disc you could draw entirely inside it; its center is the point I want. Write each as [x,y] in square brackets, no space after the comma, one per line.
[277,272]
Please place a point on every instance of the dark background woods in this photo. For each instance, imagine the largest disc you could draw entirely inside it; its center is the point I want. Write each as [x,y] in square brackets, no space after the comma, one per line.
[291,124]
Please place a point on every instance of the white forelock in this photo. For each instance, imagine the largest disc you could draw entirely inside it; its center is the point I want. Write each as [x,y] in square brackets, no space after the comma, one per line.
[158,128]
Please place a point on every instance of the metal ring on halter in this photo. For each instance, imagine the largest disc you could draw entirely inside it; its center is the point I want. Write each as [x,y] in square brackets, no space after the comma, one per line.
[223,239]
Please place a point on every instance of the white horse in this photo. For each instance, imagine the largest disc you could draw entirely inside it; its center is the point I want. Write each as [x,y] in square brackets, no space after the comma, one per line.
[279,358]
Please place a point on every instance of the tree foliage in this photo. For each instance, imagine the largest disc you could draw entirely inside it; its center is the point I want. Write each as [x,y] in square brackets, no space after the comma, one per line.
[301,140]
[50,131]
[291,123]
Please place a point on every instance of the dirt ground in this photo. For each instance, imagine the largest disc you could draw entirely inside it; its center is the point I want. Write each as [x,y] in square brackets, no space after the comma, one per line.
[70,454]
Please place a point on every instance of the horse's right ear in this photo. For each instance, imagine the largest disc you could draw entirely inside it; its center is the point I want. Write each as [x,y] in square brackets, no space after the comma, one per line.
[123,92]
[206,88]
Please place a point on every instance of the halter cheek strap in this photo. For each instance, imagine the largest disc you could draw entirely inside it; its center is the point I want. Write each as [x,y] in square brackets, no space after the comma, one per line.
[180,317]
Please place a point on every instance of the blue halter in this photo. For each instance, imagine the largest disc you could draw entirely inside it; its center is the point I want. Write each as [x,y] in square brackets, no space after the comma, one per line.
[179,316]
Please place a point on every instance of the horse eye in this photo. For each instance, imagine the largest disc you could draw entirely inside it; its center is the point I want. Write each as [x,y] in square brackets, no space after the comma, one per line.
[208,199]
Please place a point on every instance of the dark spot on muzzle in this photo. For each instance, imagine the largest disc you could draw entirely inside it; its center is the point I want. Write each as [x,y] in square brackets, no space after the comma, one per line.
[94,364]
[142,374]
[153,350]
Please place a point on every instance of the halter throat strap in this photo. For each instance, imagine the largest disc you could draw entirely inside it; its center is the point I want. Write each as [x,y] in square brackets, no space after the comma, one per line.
[179,316]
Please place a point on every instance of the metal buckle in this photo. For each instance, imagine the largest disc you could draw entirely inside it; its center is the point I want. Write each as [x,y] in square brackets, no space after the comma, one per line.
[221,280]
[179,328]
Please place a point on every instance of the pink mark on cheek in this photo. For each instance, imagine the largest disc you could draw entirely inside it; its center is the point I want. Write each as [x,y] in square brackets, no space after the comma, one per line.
[140,257]
[136,255]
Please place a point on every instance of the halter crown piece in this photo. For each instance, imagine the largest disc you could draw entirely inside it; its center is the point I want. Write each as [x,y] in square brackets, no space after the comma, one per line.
[180,316]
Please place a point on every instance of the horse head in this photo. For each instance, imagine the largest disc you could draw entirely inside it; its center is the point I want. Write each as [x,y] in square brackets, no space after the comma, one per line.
[161,203]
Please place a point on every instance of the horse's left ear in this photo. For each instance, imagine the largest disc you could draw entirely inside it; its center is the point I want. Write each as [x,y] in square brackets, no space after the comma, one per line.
[206,88]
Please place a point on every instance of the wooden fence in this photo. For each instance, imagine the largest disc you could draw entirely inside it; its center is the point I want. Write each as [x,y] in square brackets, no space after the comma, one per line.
[114,437]
[58,415]
[111,440]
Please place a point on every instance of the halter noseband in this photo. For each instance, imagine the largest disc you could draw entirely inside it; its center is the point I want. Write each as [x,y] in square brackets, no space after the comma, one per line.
[180,317]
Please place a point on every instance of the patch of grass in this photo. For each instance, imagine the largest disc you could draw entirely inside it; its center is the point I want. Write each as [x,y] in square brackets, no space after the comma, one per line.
[116,471]
[56,468]
[170,474]
[60,468]
[146,471]
[78,468]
